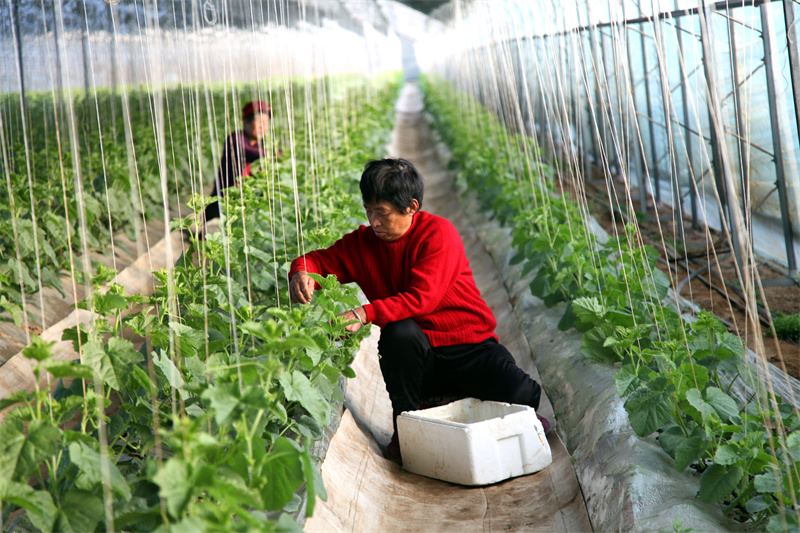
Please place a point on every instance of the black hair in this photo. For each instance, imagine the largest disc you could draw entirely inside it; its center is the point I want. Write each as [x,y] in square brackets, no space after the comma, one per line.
[252,116]
[391,180]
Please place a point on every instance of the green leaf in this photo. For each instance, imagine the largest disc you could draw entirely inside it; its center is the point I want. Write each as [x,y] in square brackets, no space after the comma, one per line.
[717,482]
[758,504]
[94,356]
[38,504]
[294,504]
[781,523]
[80,511]
[77,335]
[691,376]
[176,485]
[14,309]
[198,202]
[177,224]
[732,343]
[660,285]
[190,524]
[91,470]
[647,411]
[588,309]
[112,363]
[793,439]
[760,462]
[196,337]
[308,427]
[103,274]
[768,482]
[12,439]
[39,445]
[266,330]
[171,372]
[626,380]
[225,484]
[106,304]
[287,524]
[136,511]
[670,439]
[727,454]
[724,405]
[298,340]
[69,369]
[38,349]
[142,378]
[620,318]
[326,283]
[224,399]
[13,398]
[568,319]
[696,401]
[314,484]
[689,451]
[21,455]
[297,387]
[594,347]
[283,470]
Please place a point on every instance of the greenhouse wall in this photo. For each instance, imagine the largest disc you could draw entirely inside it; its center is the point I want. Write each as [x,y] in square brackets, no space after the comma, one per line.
[599,81]
[106,44]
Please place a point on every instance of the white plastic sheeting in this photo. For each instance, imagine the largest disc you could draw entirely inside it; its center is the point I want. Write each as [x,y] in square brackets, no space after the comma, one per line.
[607,91]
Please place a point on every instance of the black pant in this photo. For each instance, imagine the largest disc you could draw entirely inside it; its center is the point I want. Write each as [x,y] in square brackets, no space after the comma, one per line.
[212,211]
[414,370]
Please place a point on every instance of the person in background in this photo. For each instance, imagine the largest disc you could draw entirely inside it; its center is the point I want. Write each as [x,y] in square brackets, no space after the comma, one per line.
[241,149]
[437,332]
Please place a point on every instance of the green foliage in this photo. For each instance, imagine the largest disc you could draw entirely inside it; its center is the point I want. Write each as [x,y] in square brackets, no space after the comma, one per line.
[787,326]
[675,376]
[220,387]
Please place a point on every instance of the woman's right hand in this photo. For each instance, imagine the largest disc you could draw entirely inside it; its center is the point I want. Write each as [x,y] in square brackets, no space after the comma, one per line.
[301,288]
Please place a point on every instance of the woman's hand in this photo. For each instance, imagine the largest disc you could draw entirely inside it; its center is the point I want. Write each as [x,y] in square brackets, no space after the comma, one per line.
[360,319]
[301,288]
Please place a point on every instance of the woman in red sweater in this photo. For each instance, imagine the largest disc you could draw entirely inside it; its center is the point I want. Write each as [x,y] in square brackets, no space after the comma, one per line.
[437,333]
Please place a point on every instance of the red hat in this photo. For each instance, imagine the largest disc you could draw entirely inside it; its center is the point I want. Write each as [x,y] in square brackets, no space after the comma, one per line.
[256,106]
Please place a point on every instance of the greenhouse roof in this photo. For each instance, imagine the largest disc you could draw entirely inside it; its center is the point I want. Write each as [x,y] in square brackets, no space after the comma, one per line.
[425,6]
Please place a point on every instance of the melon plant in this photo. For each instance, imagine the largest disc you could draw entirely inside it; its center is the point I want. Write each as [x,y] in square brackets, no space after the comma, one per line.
[681,380]
[200,410]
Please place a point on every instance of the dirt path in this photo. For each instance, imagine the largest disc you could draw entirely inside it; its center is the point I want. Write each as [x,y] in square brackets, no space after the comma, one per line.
[369,493]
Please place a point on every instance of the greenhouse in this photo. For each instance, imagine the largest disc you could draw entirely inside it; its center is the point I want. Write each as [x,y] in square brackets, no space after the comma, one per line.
[399,265]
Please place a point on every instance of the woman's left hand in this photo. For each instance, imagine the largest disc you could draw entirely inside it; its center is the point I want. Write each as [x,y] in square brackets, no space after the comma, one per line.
[359,319]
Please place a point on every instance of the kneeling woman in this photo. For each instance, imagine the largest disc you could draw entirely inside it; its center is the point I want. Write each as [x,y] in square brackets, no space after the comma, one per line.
[437,333]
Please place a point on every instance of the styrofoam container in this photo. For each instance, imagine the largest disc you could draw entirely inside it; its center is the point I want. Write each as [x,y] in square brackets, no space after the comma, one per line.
[472,442]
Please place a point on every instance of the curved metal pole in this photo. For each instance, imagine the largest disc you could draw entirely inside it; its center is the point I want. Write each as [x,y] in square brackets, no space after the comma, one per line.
[687,121]
[777,146]
[653,154]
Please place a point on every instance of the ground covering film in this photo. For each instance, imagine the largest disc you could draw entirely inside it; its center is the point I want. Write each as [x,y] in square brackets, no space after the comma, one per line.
[199,409]
[370,493]
[680,378]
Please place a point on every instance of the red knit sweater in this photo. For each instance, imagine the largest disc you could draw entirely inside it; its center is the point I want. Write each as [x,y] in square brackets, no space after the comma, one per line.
[424,275]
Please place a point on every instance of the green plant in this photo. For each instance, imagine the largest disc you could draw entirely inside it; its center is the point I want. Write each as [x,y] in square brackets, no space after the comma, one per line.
[198,410]
[677,377]
[787,326]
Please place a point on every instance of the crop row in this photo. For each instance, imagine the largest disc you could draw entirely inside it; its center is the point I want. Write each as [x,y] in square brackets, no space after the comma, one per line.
[681,380]
[60,201]
[198,411]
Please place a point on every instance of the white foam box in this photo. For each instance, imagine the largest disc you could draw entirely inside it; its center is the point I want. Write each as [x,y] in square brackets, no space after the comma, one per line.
[472,442]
